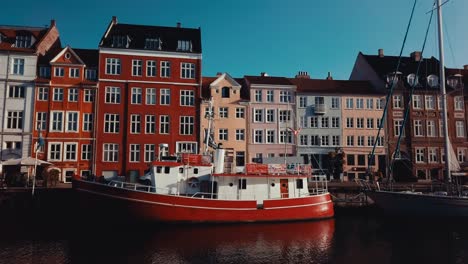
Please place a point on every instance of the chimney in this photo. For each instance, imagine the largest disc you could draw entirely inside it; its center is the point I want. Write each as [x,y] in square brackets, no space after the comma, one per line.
[52,23]
[178,24]
[465,67]
[381,55]
[329,77]
[416,55]
[114,20]
[264,74]
[303,75]
[219,74]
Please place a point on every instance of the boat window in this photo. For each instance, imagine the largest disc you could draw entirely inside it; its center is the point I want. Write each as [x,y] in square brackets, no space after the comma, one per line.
[166,170]
[181,170]
[158,169]
[272,184]
[231,184]
[242,184]
[299,184]
[195,171]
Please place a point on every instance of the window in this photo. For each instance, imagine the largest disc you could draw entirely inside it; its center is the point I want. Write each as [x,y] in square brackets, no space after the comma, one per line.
[150,96]
[43,94]
[165,69]
[59,72]
[432,155]
[88,95]
[433,81]
[111,152]
[44,71]
[285,136]
[369,103]
[461,154]
[151,68]
[55,151]
[302,101]
[150,124]
[270,136]
[164,124]
[430,103]
[397,125]
[258,115]
[112,66]
[120,41]
[72,122]
[17,67]
[90,74]
[153,43]
[284,116]
[240,134]
[270,98]
[349,103]
[135,124]
[87,122]
[73,95]
[270,115]
[335,103]
[184,45]
[325,122]
[149,152]
[70,151]
[460,128]
[23,41]
[417,101]
[458,102]
[223,112]
[360,103]
[430,127]
[350,140]
[56,121]
[314,122]
[165,97]
[335,140]
[370,123]
[187,98]
[242,185]
[303,140]
[380,141]
[16,92]
[302,121]
[74,72]
[419,155]
[441,128]
[350,159]
[137,66]
[111,123]
[41,121]
[258,95]
[418,129]
[240,112]
[136,95]
[361,160]
[223,134]
[324,140]
[360,141]
[397,104]
[112,95]
[58,94]
[349,122]
[187,70]
[86,150]
[285,96]
[134,153]
[439,102]
[359,122]
[379,104]
[15,120]
[314,140]
[335,122]
[258,136]
[299,184]
[186,125]
[187,147]
[370,140]
[225,92]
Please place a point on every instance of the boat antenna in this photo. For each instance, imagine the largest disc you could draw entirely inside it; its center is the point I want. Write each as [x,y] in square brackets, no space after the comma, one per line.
[209,115]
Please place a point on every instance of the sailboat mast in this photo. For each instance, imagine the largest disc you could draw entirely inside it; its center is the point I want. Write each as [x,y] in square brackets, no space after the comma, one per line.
[442,90]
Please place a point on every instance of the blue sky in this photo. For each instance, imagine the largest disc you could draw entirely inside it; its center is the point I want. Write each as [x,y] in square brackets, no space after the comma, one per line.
[278,37]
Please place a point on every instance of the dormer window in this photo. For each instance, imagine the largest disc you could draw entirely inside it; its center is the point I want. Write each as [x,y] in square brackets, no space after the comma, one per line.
[23,41]
[2,37]
[184,45]
[412,80]
[120,41]
[90,74]
[433,80]
[225,92]
[393,78]
[153,43]
[44,71]
[454,81]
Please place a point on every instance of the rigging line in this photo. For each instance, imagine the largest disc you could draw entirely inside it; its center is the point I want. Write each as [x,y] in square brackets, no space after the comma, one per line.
[435,8]
[413,86]
[390,92]
[449,43]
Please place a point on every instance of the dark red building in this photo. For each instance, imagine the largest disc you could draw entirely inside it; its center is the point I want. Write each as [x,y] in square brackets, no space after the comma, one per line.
[149,87]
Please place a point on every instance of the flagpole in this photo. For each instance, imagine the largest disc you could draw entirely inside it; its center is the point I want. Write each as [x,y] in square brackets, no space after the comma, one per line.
[40,143]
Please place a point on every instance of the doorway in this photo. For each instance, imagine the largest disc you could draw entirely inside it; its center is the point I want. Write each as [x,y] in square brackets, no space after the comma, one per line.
[284,188]
[68,175]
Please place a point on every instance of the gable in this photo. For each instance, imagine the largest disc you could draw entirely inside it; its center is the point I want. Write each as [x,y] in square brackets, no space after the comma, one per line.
[67,56]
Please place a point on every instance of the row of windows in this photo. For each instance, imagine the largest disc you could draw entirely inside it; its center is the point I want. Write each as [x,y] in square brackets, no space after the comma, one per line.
[61,121]
[270,136]
[111,151]
[429,102]
[364,103]
[187,70]
[361,122]
[269,115]
[359,160]
[433,155]
[59,93]
[430,128]
[59,151]
[223,134]
[113,96]
[284,96]
[223,112]
[112,124]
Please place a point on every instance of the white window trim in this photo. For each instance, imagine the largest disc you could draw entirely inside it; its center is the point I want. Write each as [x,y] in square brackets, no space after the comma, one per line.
[64,155]
[51,121]
[49,148]
[77,122]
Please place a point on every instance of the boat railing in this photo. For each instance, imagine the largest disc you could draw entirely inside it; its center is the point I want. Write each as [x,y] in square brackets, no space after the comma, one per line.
[137,187]
[204,195]
[318,184]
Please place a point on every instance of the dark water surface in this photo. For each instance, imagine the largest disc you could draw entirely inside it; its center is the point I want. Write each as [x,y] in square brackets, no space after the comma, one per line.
[62,236]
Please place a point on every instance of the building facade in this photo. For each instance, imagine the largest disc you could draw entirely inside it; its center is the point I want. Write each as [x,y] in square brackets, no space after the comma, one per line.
[149,90]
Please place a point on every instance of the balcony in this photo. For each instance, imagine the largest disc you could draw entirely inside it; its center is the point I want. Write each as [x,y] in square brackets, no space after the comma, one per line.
[319,109]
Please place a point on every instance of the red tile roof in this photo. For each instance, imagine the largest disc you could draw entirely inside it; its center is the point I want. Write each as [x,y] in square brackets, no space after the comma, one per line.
[8,37]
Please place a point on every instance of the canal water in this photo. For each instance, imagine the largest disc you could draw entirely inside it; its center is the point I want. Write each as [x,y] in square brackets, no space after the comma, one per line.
[353,236]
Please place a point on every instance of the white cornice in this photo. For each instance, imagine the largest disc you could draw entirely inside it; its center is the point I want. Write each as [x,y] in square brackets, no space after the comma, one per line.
[150,53]
[135,81]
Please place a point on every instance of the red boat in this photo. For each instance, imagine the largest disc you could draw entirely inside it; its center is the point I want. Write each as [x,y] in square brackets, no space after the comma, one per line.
[187,190]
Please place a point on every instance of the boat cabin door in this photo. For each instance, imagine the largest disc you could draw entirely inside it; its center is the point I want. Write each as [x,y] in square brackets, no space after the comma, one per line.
[284,188]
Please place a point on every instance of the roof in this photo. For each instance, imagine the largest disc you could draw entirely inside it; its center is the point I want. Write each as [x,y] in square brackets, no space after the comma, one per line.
[206,82]
[8,37]
[268,80]
[89,56]
[334,86]
[387,64]
[169,36]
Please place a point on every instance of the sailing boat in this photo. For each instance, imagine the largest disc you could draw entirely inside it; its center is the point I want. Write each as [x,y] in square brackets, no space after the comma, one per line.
[411,203]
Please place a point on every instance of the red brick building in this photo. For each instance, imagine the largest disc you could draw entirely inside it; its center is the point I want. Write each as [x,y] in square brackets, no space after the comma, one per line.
[149,88]
[64,109]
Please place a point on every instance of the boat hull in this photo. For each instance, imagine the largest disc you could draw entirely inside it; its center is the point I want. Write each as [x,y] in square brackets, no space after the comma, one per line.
[416,204]
[146,206]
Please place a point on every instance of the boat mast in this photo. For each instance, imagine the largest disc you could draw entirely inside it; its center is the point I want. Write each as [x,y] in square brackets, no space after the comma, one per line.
[209,115]
[442,90]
